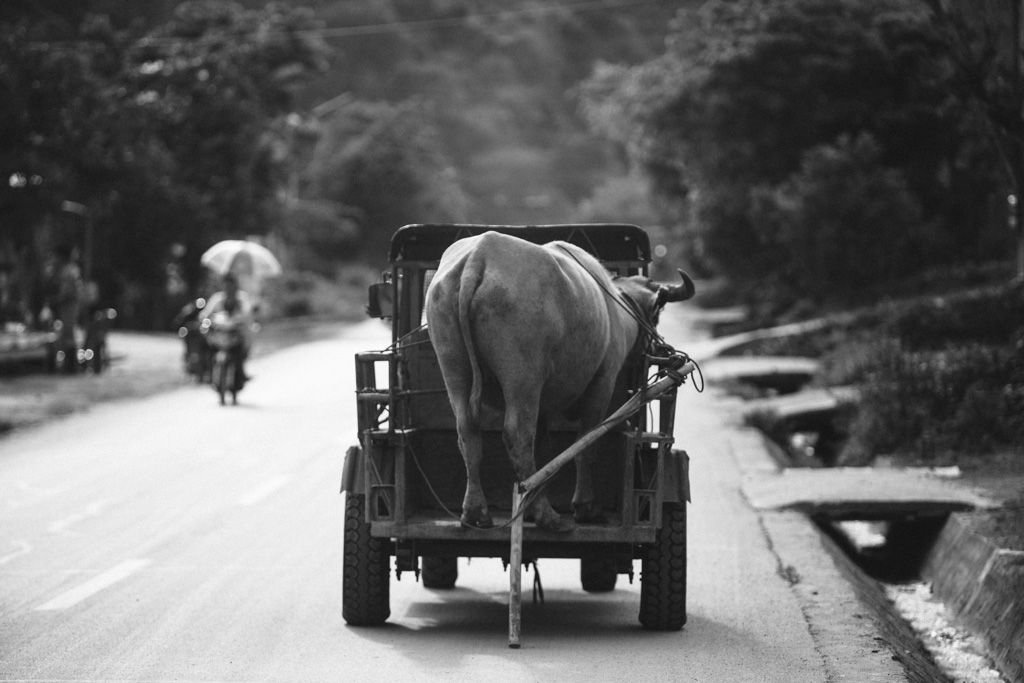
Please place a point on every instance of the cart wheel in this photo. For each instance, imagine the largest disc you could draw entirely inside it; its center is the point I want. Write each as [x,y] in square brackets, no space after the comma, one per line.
[598,574]
[365,598]
[663,574]
[440,572]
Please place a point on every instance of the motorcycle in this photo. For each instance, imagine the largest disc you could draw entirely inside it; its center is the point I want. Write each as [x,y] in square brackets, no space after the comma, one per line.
[224,337]
[93,353]
[85,348]
[197,356]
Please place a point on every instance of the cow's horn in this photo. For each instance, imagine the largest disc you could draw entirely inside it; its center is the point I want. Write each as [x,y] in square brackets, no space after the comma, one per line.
[681,292]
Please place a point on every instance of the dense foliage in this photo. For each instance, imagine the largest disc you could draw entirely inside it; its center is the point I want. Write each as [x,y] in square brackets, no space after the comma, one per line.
[178,123]
[809,147]
[389,163]
[163,135]
[934,406]
[943,377]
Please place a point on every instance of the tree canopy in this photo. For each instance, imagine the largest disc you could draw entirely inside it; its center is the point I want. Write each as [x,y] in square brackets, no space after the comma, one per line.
[777,127]
[178,123]
[774,135]
[163,134]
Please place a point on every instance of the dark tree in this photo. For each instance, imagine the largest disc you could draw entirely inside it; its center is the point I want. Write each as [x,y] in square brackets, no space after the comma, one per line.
[746,91]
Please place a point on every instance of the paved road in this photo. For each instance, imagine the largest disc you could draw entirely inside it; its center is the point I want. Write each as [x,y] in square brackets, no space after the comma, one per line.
[170,539]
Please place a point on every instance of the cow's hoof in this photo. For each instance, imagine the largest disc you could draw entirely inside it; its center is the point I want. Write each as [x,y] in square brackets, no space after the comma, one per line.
[476,519]
[589,513]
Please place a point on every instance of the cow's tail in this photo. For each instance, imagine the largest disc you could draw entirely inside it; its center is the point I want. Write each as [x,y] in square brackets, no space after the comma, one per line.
[472,274]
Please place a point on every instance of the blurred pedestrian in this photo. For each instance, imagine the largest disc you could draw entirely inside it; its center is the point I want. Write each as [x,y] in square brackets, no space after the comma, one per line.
[67,291]
[12,310]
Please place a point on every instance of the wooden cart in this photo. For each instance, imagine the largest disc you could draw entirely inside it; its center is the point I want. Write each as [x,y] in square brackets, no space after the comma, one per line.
[405,480]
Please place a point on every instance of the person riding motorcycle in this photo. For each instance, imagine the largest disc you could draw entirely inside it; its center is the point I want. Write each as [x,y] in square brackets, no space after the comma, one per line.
[237,306]
[197,350]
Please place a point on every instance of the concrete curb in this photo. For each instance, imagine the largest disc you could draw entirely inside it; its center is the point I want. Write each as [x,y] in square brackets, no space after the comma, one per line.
[979,582]
[852,622]
[984,586]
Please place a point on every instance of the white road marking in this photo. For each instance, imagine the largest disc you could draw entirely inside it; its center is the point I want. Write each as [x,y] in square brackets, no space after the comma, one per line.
[264,490]
[91,510]
[94,585]
[23,548]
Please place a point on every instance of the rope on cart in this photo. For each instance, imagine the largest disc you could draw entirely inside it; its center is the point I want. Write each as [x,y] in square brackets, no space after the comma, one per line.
[423,475]
[402,343]
[538,588]
[670,361]
[440,503]
[655,347]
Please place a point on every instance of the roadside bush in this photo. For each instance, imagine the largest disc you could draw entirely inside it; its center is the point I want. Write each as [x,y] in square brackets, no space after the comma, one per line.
[817,343]
[932,405]
[843,221]
[303,294]
[986,316]
[849,361]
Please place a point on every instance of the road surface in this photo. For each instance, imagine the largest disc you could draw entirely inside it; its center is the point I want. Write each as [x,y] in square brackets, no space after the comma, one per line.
[169,539]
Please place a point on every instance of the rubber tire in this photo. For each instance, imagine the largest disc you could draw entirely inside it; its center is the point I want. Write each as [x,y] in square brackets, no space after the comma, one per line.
[663,574]
[366,578]
[598,574]
[439,572]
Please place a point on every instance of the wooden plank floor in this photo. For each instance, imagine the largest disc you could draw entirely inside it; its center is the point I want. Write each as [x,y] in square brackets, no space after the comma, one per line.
[864,492]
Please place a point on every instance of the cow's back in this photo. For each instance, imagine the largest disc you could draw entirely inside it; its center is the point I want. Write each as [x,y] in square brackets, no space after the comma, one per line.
[524,314]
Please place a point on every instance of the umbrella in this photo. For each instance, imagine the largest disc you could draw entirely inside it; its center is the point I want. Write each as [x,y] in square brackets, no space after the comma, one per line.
[241,256]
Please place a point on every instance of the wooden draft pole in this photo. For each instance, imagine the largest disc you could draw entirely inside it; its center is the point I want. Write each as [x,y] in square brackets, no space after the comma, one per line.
[515,571]
[532,484]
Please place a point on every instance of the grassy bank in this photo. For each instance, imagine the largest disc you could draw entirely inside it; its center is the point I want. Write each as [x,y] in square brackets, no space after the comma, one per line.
[941,376]
[941,382]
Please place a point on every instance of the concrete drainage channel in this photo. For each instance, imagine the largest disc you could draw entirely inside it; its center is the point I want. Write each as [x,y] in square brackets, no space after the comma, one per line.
[959,594]
[964,595]
[948,602]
